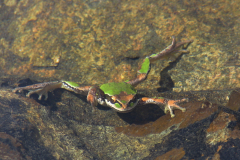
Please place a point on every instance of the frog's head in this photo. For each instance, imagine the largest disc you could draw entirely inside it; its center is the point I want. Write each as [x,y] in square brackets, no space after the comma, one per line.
[120,96]
[123,102]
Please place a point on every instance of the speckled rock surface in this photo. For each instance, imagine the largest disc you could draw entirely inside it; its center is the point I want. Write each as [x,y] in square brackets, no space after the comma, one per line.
[39,130]
[94,42]
[99,41]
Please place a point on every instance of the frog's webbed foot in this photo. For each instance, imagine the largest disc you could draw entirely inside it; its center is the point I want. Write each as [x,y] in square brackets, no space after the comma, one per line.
[40,92]
[173,104]
[169,104]
[41,89]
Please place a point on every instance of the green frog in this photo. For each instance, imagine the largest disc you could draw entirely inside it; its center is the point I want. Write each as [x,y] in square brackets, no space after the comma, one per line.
[121,96]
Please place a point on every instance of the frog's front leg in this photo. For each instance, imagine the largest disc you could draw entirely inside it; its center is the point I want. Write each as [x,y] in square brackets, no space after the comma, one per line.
[169,104]
[42,89]
[95,95]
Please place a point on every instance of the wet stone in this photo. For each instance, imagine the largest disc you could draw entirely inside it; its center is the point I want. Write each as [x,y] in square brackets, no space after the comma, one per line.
[234,100]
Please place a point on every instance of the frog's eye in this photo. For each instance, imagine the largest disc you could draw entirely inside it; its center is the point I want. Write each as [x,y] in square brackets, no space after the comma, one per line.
[110,99]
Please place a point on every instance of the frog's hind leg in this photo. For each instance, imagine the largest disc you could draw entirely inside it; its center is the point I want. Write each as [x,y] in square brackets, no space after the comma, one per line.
[146,65]
[169,104]
[142,73]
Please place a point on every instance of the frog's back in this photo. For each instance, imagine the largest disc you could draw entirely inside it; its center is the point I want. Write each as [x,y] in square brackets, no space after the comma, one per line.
[115,88]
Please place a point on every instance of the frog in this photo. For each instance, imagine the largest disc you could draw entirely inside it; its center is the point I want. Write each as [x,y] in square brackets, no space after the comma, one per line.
[120,96]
